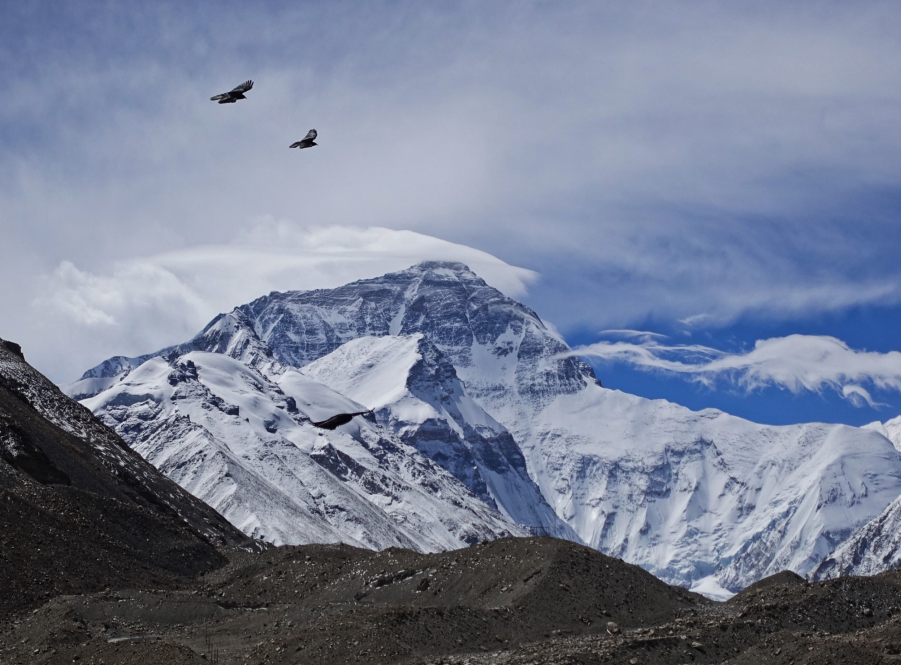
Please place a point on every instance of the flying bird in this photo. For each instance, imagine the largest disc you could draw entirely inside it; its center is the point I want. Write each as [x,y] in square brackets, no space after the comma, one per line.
[306,141]
[234,95]
[337,421]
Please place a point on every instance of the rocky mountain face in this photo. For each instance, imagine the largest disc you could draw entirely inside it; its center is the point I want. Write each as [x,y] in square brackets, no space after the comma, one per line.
[478,385]
[80,510]
[498,346]
[242,441]
[872,549]
[414,391]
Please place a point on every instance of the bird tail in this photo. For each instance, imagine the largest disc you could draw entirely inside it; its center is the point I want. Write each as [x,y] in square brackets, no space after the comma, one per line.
[218,97]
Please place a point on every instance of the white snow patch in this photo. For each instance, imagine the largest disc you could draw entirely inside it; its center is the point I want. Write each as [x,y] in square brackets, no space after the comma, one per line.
[710,588]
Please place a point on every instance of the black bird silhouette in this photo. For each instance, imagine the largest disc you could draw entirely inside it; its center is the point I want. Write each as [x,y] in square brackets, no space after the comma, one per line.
[340,419]
[234,95]
[306,141]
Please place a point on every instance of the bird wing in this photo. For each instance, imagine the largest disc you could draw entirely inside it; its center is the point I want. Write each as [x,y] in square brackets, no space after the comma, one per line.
[295,145]
[333,423]
[244,87]
[218,97]
[337,420]
[311,135]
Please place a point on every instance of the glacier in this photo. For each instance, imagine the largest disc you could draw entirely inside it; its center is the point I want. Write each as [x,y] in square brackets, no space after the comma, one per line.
[414,391]
[244,444]
[876,546]
[473,394]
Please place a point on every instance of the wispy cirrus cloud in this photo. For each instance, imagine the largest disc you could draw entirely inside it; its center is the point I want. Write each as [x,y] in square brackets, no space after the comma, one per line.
[797,363]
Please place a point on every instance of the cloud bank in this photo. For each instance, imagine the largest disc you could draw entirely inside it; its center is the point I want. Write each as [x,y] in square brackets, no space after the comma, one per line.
[145,303]
[699,161]
[796,363]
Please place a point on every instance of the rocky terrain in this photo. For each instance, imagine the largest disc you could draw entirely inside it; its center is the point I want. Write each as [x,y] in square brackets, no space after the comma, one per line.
[79,510]
[527,600]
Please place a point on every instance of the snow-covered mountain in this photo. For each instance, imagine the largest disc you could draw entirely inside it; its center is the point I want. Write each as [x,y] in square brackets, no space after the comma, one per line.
[873,548]
[414,391]
[476,382]
[243,442]
[876,546]
[705,498]
[890,429]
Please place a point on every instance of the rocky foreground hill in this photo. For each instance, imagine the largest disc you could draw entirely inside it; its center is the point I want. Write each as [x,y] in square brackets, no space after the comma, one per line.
[79,510]
[523,601]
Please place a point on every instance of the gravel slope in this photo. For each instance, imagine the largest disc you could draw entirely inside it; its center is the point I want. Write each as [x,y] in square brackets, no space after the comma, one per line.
[530,600]
[80,511]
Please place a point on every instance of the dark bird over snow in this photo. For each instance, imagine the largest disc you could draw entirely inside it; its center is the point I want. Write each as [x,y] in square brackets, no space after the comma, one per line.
[234,95]
[337,421]
[306,141]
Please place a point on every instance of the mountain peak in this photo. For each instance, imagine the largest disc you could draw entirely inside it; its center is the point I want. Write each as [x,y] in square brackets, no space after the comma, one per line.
[453,266]
[439,272]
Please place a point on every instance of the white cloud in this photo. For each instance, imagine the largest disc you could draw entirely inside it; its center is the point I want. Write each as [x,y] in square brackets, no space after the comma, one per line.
[628,333]
[796,363]
[145,303]
[858,396]
[138,305]
[655,162]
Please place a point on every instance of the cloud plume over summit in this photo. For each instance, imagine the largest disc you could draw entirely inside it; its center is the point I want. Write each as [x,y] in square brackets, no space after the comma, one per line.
[151,301]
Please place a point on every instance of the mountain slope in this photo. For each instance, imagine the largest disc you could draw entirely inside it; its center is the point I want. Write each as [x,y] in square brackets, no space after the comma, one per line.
[876,546]
[704,497]
[890,429]
[414,391]
[79,510]
[243,442]
[125,475]
[872,549]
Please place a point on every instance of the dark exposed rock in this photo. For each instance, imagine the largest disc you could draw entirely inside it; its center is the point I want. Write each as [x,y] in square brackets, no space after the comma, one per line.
[13,347]
[447,302]
[498,602]
[79,510]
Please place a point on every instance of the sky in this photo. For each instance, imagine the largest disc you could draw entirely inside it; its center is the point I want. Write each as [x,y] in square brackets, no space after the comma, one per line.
[702,197]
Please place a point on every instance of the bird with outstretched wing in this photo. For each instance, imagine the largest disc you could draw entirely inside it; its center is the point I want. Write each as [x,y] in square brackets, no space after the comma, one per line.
[338,420]
[233,95]
[306,141]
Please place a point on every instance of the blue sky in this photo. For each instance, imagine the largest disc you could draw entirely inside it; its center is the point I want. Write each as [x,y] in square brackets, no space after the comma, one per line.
[871,328]
[719,173]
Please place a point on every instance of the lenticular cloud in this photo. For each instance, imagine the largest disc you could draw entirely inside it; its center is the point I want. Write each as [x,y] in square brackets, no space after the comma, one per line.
[796,362]
[153,301]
